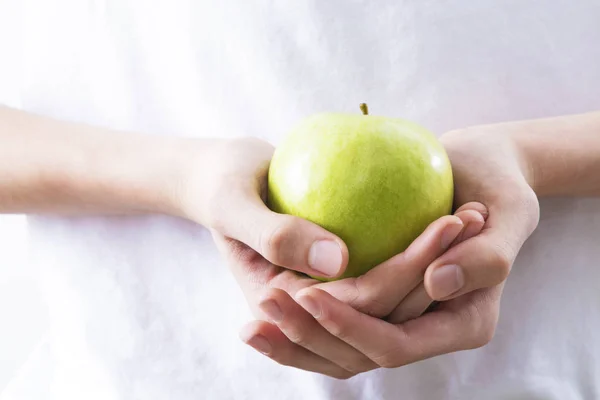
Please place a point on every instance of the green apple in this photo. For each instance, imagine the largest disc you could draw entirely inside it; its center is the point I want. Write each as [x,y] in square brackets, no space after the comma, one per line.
[374,181]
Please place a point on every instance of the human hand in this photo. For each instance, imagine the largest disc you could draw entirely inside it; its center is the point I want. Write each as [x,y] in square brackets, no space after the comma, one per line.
[489,169]
[291,336]
[256,241]
[486,170]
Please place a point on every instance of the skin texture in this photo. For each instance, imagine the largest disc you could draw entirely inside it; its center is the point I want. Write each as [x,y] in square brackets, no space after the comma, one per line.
[375,182]
[338,328]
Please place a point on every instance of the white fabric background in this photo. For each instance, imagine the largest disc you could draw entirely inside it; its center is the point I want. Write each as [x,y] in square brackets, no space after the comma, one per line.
[143,307]
[22,309]
[23,313]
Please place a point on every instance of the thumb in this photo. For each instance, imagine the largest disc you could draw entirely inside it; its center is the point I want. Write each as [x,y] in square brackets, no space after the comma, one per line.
[284,240]
[484,260]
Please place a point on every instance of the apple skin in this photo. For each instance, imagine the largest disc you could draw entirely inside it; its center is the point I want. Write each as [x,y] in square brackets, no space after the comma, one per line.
[376,182]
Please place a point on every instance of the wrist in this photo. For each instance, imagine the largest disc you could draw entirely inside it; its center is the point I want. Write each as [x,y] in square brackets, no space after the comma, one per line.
[191,182]
[514,133]
[156,173]
[560,155]
[49,166]
[122,173]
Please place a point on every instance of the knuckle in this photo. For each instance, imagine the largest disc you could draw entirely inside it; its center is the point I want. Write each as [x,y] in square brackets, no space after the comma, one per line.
[299,336]
[368,299]
[340,330]
[374,307]
[482,325]
[503,256]
[526,207]
[483,333]
[274,243]
[531,211]
[487,332]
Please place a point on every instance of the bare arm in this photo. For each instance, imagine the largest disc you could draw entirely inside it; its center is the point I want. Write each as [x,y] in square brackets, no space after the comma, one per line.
[563,154]
[48,166]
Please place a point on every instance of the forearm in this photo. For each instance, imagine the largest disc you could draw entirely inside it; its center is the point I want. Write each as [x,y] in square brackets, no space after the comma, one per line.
[562,155]
[48,166]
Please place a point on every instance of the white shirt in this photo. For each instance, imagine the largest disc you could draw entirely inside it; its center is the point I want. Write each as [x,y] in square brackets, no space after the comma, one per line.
[144,307]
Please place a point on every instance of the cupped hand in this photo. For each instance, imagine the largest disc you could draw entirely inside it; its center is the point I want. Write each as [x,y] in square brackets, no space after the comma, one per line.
[270,254]
[467,279]
[290,335]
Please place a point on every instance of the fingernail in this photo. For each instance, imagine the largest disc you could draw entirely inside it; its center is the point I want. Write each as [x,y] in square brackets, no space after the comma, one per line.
[449,234]
[273,311]
[446,280]
[325,256]
[260,343]
[310,305]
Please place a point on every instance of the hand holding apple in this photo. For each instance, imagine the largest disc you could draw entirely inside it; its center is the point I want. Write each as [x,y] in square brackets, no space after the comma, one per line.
[249,235]
[488,168]
[291,336]
[374,181]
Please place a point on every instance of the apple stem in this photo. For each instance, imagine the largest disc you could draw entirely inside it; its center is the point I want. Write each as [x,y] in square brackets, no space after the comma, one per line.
[364,108]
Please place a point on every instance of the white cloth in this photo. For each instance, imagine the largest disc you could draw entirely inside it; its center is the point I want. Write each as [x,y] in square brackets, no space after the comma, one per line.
[144,307]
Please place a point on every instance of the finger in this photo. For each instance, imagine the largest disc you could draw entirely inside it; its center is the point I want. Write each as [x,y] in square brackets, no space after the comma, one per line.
[413,306]
[379,290]
[418,301]
[482,261]
[474,206]
[284,240]
[255,274]
[441,331]
[302,329]
[270,341]
[474,221]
